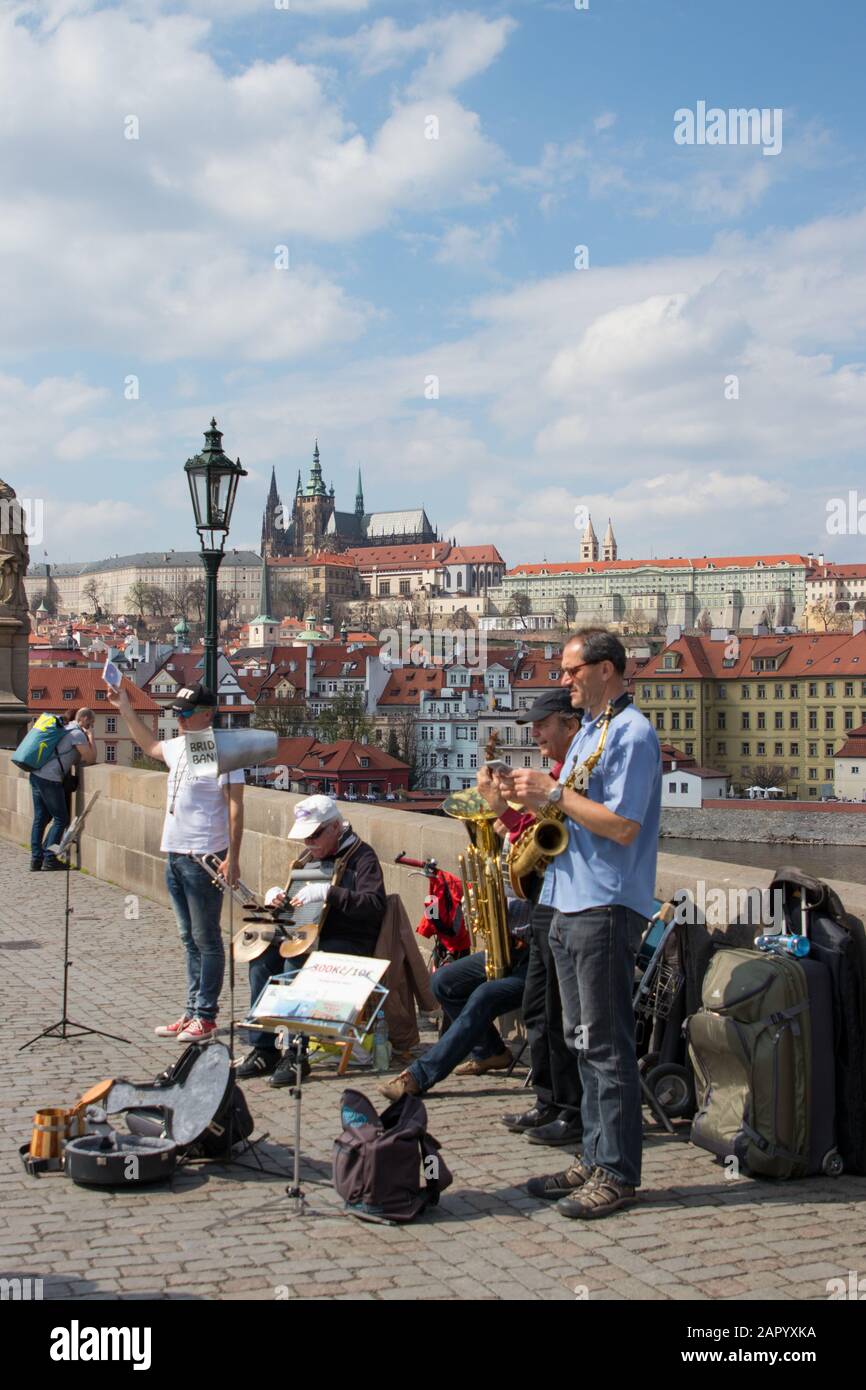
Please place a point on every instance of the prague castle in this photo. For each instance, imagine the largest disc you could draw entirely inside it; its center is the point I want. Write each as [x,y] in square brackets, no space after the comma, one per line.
[314,524]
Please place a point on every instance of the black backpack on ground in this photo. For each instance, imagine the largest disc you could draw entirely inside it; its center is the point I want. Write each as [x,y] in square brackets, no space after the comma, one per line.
[387,1167]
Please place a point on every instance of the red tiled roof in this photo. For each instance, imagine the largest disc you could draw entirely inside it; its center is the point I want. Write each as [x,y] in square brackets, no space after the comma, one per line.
[423,555]
[305,755]
[84,683]
[804,654]
[474,555]
[706,562]
[405,685]
[854,745]
[345,559]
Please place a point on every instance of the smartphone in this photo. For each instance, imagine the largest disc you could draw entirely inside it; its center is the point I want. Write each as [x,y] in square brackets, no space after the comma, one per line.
[497,765]
[111,675]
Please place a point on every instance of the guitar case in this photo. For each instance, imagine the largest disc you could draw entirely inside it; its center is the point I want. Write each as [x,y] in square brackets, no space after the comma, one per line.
[196,1103]
[121,1160]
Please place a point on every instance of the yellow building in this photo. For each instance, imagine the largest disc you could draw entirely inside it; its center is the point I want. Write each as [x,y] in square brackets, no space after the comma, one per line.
[761,709]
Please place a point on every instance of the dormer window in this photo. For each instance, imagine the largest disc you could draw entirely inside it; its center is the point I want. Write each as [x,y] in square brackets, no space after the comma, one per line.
[39,694]
[69,694]
[365,762]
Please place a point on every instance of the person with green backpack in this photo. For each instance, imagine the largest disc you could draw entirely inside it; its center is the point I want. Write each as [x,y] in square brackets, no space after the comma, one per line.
[47,752]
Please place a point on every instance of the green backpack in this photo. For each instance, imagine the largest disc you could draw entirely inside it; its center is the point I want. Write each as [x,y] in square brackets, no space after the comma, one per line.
[751,1048]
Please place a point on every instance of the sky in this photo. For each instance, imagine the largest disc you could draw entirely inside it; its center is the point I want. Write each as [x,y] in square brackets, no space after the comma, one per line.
[478,252]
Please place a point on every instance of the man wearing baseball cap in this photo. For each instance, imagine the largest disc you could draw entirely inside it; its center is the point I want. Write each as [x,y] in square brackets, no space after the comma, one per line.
[203,815]
[353,905]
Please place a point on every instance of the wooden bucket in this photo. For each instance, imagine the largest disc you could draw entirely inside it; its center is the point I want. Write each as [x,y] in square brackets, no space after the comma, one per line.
[52,1128]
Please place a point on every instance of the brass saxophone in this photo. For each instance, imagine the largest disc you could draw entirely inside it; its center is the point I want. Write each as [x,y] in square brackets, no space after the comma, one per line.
[541,842]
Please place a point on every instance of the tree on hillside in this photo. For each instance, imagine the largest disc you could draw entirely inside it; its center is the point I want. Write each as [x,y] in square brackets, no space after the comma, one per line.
[705,623]
[92,594]
[287,718]
[519,605]
[344,717]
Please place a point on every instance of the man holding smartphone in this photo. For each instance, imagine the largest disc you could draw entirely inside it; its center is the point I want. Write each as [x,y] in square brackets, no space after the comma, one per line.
[203,815]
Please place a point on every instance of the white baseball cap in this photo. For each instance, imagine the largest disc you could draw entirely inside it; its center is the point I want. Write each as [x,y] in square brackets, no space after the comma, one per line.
[311,813]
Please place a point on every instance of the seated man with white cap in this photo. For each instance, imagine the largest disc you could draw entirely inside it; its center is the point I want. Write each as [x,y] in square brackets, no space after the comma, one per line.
[353,905]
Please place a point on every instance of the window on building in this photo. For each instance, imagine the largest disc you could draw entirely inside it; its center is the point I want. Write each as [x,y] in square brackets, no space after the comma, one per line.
[762,750]
[675,692]
[646,692]
[745,718]
[690,692]
[813,719]
[779,691]
[849,690]
[813,690]
[101,694]
[793,690]
[722,692]
[365,762]
[136,753]
[660,692]
[855,770]
[720,719]
[404,586]
[675,719]
[690,748]
[69,694]
[828,774]
[684,786]
[460,757]
[829,688]
[829,719]
[849,719]
[762,719]
[660,721]
[690,719]
[794,719]
[795,750]
[762,692]
[672,787]
[111,752]
[384,588]
[111,723]
[745,692]
[721,747]
[744,749]
[545,763]
[527,760]
[828,750]
[813,750]
[778,750]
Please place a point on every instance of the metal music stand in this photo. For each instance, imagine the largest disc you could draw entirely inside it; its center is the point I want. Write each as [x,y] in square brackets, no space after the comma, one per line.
[61,1029]
[312,1027]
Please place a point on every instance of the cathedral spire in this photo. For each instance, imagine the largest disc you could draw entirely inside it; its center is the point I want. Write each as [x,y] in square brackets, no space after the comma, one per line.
[316,486]
[589,542]
[299,489]
[608,545]
[359,496]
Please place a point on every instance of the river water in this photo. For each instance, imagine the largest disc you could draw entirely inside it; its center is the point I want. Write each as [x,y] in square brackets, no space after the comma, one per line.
[846,862]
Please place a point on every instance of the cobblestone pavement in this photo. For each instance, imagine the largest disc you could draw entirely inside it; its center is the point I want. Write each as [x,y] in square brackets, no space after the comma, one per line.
[229,1233]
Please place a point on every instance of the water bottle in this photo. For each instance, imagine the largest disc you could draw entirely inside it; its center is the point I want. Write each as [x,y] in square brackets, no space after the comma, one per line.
[381,1045]
[784,944]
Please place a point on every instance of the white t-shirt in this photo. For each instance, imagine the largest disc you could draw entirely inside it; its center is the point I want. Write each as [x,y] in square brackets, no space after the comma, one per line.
[196,811]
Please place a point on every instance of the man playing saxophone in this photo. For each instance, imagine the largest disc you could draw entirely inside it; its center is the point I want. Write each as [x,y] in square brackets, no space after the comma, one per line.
[602,891]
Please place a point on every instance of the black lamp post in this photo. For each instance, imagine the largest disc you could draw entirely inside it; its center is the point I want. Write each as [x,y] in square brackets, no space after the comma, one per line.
[213,481]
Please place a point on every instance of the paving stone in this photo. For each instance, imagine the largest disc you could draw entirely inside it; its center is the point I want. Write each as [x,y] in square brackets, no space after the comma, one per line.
[229,1233]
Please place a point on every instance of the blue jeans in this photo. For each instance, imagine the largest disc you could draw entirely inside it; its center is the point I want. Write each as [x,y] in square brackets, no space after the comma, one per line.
[594,953]
[49,804]
[471,1002]
[197,904]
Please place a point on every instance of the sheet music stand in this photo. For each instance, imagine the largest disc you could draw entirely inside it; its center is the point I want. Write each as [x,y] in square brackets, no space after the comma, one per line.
[348,1033]
[61,1029]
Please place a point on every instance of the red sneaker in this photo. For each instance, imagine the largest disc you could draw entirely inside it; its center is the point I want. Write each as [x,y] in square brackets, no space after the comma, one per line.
[171,1030]
[198,1030]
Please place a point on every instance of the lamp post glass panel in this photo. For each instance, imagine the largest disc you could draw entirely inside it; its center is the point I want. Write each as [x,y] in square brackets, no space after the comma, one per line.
[213,481]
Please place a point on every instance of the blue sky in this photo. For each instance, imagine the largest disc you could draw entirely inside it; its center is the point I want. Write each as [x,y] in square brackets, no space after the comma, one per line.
[410,258]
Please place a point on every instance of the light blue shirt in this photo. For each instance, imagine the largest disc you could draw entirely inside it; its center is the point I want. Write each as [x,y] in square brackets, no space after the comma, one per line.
[594,871]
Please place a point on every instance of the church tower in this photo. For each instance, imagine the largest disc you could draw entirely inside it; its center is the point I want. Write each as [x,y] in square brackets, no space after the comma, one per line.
[359,497]
[274,534]
[608,545]
[589,542]
[314,507]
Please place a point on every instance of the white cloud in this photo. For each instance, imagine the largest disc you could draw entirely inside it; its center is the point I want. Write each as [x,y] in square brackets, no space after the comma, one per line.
[472,249]
[458,47]
[604,121]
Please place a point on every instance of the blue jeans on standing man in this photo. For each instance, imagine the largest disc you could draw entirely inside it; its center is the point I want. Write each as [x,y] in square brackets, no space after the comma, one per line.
[197,904]
[594,952]
[49,804]
[471,1002]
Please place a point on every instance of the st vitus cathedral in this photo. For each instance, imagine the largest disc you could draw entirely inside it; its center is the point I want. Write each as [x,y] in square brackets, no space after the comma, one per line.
[314,524]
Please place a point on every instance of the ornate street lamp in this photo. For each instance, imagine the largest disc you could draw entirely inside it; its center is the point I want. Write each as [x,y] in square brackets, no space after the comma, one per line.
[213,481]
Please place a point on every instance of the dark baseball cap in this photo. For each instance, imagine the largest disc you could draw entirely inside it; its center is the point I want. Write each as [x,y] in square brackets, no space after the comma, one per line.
[551,702]
[196,696]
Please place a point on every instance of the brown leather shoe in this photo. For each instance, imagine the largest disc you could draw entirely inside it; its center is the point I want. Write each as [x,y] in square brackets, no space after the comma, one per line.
[402,1085]
[474,1067]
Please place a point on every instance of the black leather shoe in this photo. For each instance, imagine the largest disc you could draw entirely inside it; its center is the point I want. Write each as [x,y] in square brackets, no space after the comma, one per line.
[530,1119]
[561,1131]
[286,1072]
[35,866]
[260,1062]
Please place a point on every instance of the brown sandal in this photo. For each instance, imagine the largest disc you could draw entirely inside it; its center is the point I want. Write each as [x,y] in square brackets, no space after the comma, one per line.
[600,1196]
